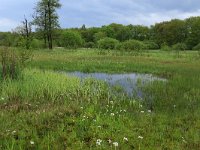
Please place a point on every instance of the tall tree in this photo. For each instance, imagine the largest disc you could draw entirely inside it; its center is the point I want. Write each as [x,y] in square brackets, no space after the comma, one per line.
[46,19]
[24,33]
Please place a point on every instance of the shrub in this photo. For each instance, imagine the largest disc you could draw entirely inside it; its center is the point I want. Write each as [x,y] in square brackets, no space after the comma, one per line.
[71,39]
[165,47]
[132,45]
[150,45]
[13,62]
[179,46]
[197,47]
[37,44]
[89,45]
[107,43]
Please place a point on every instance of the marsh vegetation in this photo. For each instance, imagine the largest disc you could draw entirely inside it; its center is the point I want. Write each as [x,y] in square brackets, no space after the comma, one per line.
[45,109]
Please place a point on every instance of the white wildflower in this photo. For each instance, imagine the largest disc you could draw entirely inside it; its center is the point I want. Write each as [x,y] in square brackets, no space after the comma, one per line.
[109,141]
[125,139]
[184,140]
[140,137]
[142,111]
[32,142]
[98,142]
[149,111]
[112,114]
[115,144]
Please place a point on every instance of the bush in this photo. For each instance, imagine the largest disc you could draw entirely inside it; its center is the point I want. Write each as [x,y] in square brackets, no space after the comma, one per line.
[107,43]
[179,46]
[131,45]
[13,62]
[71,39]
[150,45]
[37,44]
[197,47]
[165,47]
[89,45]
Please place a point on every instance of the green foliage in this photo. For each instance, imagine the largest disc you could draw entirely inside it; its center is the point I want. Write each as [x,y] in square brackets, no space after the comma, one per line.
[165,47]
[89,45]
[179,46]
[132,45]
[51,110]
[89,34]
[99,35]
[197,47]
[13,62]
[170,32]
[150,45]
[139,32]
[193,32]
[117,31]
[107,43]
[46,19]
[37,44]
[71,39]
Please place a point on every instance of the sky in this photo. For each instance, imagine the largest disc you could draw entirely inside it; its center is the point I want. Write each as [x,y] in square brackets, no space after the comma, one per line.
[75,13]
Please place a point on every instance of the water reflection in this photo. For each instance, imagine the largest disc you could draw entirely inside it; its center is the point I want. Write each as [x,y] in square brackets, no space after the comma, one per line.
[126,83]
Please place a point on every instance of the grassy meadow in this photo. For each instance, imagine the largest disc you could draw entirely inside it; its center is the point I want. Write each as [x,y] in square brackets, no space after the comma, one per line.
[47,110]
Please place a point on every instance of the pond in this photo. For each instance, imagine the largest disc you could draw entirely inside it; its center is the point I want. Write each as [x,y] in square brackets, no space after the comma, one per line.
[127,82]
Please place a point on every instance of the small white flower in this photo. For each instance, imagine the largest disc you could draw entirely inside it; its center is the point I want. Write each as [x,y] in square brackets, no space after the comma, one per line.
[142,111]
[124,110]
[98,142]
[140,106]
[81,107]
[112,114]
[115,144]
[109,141]
[14,132]
[125,139]
[99,126]
[111,102]
[140,137]
[32,142]
[184,140]
[149,111]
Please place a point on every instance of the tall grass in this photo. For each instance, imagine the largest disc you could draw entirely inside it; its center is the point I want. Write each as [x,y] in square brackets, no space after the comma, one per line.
[48,110]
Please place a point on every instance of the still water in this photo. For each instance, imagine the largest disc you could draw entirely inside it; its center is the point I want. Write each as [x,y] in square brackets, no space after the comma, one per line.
[127,82]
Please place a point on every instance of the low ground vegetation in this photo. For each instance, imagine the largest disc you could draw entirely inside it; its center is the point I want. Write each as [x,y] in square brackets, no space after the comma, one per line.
[47,109]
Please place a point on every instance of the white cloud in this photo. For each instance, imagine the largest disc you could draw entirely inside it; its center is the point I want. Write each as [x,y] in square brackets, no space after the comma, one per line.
[74,13]
[7,24]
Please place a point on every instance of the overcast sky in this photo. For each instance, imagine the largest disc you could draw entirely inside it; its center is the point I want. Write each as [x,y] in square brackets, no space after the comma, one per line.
[75,13]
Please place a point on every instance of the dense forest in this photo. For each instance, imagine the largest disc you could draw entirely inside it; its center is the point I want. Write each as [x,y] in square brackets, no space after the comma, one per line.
[174,34]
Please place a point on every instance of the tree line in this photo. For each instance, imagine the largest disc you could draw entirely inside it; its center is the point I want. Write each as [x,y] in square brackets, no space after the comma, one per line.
[176,33]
